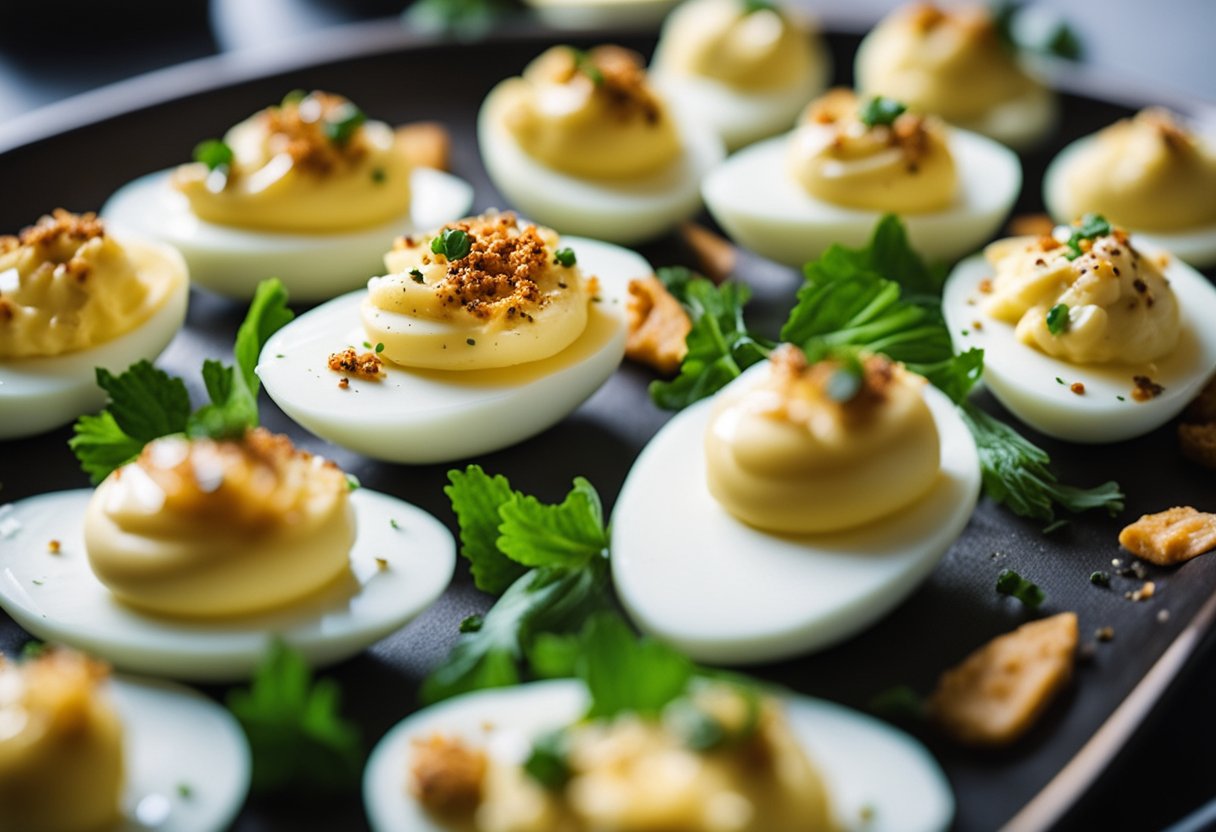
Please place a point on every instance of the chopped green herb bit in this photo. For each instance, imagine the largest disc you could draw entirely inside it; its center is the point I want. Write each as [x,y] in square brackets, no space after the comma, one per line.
[881,110]
[352,482]
[379,347]
[1120,398]
[185,790]
[367,345]
[1057,319]
[452,243]
[471,623]
[898,702]
[417,275]
[293,97]
[584,64]
[471,342]
[342,123]
[1063,43]
[548,763]
[379,176]
[392,521]
[1011,583]
[1099,578]
[32,650]
[215,154]
[1090,227]
[564,257]
[1059,380]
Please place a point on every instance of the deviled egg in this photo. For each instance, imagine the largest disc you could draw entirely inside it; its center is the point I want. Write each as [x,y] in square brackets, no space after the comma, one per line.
[482,334]
[308,190]
[82,751]
[782,763]
[849,162]
[808,500]
[185,562]
[952,63]
[582,143]
[1087,335]
[590,15]
[73,298]
[744,67]
[1151,174]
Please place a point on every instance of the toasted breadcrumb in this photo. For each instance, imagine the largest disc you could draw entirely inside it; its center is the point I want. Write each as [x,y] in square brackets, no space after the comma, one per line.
[998,692]
[658,326]
[366,365]
[299,127]
[1172,536]
[446,775]
[426,144]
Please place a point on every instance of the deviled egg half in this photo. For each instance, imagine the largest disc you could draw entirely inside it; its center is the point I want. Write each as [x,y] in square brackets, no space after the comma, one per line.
[773,764]
[590,15]
[807,499]
[851,161]
[483,333]
[74,298]
[1088,335]
[82,751]
[582,143]
[1151,174]
[186,561]
[953,64]
[308,190]
[746,68]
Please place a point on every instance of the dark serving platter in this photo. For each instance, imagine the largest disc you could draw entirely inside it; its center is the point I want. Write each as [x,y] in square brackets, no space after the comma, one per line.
[76,158]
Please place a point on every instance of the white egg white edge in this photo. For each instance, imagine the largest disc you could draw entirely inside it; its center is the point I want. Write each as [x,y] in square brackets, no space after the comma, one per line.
[231,261]
[723,592]
[38,394]
[1024,379]
[1196,246]
[420,417]
[761,207]
[186,760]
[582,15]
[869,768]
[57,598]
[617,211]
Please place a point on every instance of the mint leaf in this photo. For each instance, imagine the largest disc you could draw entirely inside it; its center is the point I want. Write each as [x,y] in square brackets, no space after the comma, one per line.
[476,498]
[719,346]
[625,674]
[299,740]
[566,535]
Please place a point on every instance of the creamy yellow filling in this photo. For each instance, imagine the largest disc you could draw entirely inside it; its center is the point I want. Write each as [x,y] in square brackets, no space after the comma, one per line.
[302,167]
[220,528]
[950,63]
[818,448]
[589,114]
[61,756]
[67,285]
[904,167]
[761,48]
[1115,304]
[514,295]
[1147,172]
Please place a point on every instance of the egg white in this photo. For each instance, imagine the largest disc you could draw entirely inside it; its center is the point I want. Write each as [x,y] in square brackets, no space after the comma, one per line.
[175,737]
[231,261]
[1196,246]
[415,415]
[690,573]
[38,394]
[864,762]
[57,598]
[620,211]
[1024,379]
[584,15]
[753,196]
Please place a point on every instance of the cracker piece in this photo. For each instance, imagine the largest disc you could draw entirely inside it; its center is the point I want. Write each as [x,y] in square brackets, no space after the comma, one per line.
[1170,537]
[658,326]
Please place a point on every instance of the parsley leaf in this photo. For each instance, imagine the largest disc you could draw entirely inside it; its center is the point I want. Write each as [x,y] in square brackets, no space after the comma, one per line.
[625,674]
[881,110]
[476,498]
[298,737]
[452,243]
[719,346]
[1057,318]
[1090,227]
[144,403]
[341,124]
[1016,473]
[566,536]
[1028,592]
[215,154]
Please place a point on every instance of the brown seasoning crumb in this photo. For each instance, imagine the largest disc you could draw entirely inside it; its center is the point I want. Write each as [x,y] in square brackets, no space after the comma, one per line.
[365,365]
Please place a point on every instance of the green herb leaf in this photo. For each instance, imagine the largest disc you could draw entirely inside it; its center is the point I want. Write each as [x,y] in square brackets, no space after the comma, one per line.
[553,656]
[720,347]
[564,536]
[548,763]
[898,702]
[293,98]
[1011,583]
[215,154]
[418,276]
[565,257]
[1099,578]
[1016,473]
[625,674]
[341,124]
[452,243]
[476,498]
[1057,319]
[299,740]
[753,6]
[880,110]
[144,403]
[1091,227]
[379,176]
[584,64]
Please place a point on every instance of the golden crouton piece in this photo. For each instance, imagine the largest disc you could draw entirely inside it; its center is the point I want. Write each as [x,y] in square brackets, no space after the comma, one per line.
[426,144]
[1198,443]
[1203,408]
[1170,537]
[446,775]
[714,256]
[997,693]
[658,326]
